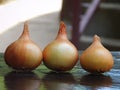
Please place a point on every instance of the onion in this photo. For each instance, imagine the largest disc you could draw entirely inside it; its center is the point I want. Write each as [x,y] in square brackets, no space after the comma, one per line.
[60,54]
[23,54]
[96,58]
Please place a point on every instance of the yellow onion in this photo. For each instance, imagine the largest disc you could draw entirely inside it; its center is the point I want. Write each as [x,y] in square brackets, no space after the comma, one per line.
[96,58]
[23,54]
[60,54]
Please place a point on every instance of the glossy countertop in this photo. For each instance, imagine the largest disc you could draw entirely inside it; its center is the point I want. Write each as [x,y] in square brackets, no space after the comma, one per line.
[44,79]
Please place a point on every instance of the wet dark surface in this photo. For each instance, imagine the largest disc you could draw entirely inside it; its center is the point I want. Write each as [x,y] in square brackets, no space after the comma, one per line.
[45,79]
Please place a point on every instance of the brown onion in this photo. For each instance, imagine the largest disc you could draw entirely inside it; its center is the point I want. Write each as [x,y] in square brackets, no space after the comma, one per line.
[96,58]
[60,54]
[23,54]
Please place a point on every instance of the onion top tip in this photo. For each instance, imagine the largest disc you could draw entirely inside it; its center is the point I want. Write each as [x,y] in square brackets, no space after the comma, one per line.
[96,38]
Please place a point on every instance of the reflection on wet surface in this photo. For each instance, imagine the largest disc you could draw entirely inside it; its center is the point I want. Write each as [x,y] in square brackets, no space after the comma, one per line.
[96,81]
[22,81]
[59,81]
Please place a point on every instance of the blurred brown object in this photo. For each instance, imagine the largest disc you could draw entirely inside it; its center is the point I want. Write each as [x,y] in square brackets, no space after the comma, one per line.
[78,24]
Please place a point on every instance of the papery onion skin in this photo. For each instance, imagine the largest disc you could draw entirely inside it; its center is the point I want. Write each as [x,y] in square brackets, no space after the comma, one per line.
[60,54]
[96,58]
[23,54]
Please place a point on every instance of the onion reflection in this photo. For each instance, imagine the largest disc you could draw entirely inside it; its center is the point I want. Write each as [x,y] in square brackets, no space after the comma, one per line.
[59,81]
[96,80]
[22,81]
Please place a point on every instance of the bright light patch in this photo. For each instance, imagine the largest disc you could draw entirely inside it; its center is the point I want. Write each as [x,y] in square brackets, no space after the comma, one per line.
[22,10]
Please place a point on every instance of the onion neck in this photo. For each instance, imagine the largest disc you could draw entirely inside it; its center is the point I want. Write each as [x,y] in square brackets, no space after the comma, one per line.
[25,33]
[62,32]
[97,41]
[96,38]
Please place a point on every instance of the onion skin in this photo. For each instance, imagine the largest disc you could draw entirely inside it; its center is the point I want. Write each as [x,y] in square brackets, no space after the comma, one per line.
[96,58]
[60,54]
[23,54]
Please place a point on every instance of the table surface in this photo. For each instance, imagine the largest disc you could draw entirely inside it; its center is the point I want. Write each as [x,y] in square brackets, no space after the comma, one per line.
[44,79]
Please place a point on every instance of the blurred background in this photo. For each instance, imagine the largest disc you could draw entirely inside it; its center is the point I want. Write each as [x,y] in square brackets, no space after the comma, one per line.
[83,18]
